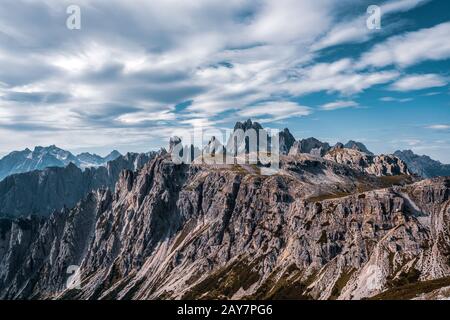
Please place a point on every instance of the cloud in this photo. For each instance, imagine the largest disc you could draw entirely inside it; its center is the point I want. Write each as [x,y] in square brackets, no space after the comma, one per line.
[290,20]
[121,77]
[439,127]
[356,31]
[35,97]
[392,99]
[419,82]
[339,76]
[273,111]
[153,55]
[401,5]
[339,105]
[410,48]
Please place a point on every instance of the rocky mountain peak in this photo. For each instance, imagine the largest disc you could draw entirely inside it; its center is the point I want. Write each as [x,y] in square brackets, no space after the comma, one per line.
[357,146]
[249,124]
[423,165]
[311,146]
[287,140]
[112,155]
[381,165]
[190,231]
[173,141]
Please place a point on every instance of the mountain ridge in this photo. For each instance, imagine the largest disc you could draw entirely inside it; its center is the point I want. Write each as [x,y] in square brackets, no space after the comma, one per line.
[331,223]
[40,192]
[51,156]
[423,165]
[188,232]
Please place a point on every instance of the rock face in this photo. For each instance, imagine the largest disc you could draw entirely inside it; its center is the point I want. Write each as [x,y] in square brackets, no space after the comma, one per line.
[87,160]
[311,146]
[357,146]
[287,140]
[332,223]
[423,166]
[174,141]
[249,124]
[42,192]
[45,157]
[192,231]
[382,165]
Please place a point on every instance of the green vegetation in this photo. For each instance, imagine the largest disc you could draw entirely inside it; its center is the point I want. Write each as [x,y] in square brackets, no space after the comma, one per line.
[328,196]
[225,282]
[400,180]
[287,287]
[341,283]
[412,276]
[412,290]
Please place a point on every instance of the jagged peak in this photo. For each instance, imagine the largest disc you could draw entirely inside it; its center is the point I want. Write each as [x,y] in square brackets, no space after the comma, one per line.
[357,146]
[249,124]
[114,153]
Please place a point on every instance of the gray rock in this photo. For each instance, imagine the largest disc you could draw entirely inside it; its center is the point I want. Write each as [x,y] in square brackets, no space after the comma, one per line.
[179,231]
[382,165]
[42,192]
[423,166]
[357,146]
[46,157]
[287,140]
[311,146]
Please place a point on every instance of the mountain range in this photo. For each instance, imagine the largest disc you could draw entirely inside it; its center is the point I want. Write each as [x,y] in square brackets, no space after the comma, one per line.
[423,165]
[335,222]
[41,192]
[52,156]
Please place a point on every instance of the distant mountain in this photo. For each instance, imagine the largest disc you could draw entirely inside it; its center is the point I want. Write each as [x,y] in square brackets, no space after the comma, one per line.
[333,223]
[320,230]
[87,160]
[423,166]
[41,192]
[45,157]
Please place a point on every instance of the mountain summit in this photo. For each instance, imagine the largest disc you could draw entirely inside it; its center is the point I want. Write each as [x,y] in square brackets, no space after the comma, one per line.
[332,223]
[51,156]
[423,166]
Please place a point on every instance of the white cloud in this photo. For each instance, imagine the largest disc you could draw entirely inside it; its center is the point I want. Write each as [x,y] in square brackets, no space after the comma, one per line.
[401,5]
[339,105]
[439,127]
[356,31]
[419,82]
[290,20]
[121,76]
[338,76]
[410,48]
[275,111]
[392,99]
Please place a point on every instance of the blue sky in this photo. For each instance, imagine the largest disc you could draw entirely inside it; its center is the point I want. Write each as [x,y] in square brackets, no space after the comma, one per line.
[138,71]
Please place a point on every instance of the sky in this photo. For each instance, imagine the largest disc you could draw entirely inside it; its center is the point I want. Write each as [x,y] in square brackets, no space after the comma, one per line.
[139,71]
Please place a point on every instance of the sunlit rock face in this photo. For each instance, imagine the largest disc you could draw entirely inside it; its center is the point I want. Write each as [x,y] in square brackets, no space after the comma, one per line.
[191,231]
[331,223]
